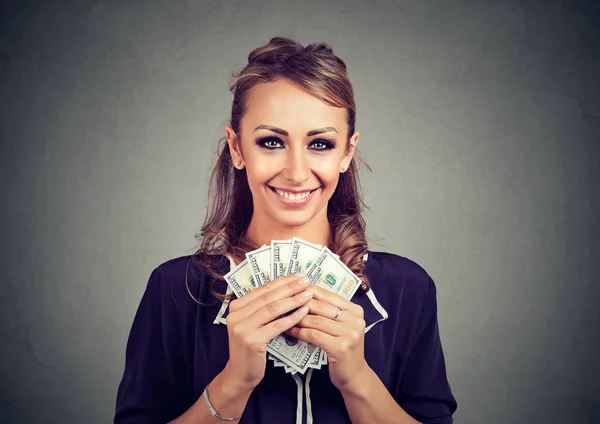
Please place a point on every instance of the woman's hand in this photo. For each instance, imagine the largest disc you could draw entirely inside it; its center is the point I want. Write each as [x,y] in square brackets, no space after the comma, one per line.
[255,319]
[341,337]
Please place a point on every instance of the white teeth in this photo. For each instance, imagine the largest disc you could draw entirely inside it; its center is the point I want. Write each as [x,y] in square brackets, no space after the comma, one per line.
[292,196]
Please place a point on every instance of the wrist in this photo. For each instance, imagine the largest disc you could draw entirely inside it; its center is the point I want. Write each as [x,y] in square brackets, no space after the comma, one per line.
[360,384]
[227,396]
[235,385]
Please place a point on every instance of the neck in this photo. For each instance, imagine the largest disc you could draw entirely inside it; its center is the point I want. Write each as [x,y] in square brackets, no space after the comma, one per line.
[262,231]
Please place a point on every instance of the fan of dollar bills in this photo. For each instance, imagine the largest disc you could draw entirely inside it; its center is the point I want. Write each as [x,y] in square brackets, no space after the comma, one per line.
[283,257]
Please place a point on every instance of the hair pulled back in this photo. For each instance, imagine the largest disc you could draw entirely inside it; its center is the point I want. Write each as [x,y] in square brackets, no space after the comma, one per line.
[317,70]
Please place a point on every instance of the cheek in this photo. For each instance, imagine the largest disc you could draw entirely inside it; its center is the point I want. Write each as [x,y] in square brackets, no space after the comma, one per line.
[260,170]
[256,177]
[327,172]
[328,180]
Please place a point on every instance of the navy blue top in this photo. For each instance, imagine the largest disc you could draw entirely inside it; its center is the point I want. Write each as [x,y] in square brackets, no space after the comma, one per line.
[176,347]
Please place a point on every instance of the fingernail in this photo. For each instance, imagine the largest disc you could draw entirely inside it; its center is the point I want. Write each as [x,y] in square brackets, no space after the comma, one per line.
[303,281]
[300,274]
[306,294]
[303,310]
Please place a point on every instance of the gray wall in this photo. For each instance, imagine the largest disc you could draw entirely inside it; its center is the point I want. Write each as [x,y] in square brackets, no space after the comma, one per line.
[481,120]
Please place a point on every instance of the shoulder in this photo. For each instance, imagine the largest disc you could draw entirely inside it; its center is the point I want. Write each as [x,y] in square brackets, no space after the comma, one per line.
[175,268]
[176,280]
[398,278]
[387,264]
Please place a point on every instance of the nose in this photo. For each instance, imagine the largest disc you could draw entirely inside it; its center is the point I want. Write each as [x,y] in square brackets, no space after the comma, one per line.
[296,169]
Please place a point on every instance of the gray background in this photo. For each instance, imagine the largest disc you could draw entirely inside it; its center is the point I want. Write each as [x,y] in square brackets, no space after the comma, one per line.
[481,120]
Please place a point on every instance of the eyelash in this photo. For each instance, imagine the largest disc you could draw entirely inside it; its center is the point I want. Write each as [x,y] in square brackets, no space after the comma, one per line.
[327,144]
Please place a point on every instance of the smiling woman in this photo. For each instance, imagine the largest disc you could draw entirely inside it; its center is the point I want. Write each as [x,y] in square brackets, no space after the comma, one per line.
[292,134]
[292,168]
[287,167]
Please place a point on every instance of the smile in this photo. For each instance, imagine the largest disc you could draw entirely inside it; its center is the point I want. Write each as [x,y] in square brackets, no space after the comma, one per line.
[296,197]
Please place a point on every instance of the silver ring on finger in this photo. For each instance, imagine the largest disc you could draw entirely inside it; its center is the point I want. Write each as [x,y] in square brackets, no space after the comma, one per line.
[338,312]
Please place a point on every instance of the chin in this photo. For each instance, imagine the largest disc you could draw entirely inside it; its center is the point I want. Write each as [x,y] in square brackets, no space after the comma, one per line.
[281,212]
[293,218]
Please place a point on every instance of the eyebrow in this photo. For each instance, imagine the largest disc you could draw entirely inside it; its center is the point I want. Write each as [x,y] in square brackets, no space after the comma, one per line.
[284,132]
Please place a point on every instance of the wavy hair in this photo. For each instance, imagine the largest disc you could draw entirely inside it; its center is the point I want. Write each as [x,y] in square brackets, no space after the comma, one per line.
[318,71]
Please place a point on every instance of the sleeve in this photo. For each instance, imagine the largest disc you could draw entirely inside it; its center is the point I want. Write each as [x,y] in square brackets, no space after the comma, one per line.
[425,393]
[156,383]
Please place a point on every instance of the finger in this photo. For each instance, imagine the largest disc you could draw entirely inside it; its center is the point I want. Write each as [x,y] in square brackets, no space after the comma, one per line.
[337,300]
[325,325]
[277,308]
[316,337]
[275,328]
[324,309]
[287,291]
[327,310]
[274,290]
[272,285]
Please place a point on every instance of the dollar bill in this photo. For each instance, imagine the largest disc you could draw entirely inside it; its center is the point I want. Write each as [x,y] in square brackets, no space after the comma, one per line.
[293,352]
[315,359]
[260,263]
[240,279]
[323,268]
[277,363]
[280,253]
[323,357]
[328,271]
[302,254]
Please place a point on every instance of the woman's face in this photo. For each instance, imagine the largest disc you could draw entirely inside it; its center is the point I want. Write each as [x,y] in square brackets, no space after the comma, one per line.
[293,147]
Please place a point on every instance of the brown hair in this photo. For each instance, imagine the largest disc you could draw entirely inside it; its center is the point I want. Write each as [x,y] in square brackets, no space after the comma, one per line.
[318,71]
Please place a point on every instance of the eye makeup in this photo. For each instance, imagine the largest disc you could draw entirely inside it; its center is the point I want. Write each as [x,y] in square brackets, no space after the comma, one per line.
[323,144]
[269,143]
[272,143]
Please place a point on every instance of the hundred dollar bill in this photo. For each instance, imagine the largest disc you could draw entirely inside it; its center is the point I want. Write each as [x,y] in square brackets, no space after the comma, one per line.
[302,254]
[260,263]
[240,279]
[276,362]
[329,272]
[315,359]
[279,364]
[323,357]
[280,253]
[293,352]
[286,368]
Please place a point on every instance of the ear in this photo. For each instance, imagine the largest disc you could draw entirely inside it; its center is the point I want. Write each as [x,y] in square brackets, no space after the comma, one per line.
[349,152]
[235,147]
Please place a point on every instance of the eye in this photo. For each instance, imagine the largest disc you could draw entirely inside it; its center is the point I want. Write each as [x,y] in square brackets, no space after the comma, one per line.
[269,143]
[322,145]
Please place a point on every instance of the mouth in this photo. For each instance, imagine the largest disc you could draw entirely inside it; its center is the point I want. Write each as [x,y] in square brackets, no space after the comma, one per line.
[293,197]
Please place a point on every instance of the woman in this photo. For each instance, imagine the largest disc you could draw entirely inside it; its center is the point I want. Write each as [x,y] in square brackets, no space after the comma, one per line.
[195,355]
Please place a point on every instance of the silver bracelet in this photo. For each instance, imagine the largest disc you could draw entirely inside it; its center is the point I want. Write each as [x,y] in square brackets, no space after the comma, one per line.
[213,411]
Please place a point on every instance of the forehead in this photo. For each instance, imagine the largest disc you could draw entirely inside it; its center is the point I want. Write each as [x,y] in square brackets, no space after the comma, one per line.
[284,105]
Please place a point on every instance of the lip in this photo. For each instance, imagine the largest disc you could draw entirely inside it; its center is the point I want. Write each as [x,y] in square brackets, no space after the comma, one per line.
[293,203]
